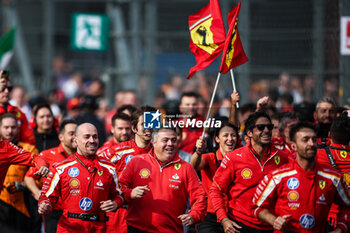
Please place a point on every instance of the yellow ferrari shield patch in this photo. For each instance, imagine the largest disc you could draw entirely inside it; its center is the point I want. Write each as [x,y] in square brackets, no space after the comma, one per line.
[322,184]
[277,160]
[177,166]
[343,154]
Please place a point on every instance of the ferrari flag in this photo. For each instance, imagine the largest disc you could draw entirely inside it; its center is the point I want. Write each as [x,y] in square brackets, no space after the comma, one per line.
[233,54]
[207,35]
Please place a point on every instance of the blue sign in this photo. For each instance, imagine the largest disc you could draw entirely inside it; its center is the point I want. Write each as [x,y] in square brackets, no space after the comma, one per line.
[293,183]
[73,172]
[85,204]
[151,120]
[307,221]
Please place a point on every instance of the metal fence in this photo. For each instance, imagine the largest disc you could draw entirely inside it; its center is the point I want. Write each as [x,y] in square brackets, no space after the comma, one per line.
[300,37]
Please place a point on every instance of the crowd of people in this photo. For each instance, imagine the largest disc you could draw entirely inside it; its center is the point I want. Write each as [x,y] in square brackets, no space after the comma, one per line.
[264,168]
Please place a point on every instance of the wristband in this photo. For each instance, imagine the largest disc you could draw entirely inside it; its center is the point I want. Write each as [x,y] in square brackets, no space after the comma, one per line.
[199,153]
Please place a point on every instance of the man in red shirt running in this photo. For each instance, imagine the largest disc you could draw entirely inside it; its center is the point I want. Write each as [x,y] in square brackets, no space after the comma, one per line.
[157,186]
[240,173]
[297,197]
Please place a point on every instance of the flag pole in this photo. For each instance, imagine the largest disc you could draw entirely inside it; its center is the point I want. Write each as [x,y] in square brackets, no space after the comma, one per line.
[212,100]
[234,84]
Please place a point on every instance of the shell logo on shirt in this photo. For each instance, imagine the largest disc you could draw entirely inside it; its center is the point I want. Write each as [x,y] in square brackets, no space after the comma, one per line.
[307,221]
[322,184]
[277,160]
[246,173]
[293,196]
[74,183]
[144,173]
[177,166]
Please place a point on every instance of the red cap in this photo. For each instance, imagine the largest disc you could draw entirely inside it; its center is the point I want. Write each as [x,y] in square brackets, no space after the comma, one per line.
[73,103]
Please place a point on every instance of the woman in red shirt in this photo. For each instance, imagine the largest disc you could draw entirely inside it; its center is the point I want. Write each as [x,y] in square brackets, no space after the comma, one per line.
[226,138]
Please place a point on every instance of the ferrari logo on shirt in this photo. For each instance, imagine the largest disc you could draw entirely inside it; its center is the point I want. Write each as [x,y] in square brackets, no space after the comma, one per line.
[277,160]
[322,184]
[177,166]
[246,173]
[99,172]
[144,173]
[343,154]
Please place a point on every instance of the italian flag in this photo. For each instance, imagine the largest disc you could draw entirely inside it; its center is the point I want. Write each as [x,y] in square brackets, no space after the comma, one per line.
[7,43]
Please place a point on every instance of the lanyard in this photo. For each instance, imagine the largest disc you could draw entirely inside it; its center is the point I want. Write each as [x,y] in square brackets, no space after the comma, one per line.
[84,164]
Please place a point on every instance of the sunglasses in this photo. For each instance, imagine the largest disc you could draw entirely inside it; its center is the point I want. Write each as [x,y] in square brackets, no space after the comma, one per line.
[261,127]
[9,88]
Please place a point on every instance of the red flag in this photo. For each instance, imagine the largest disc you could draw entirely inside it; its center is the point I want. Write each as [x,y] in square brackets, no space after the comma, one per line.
[233,54]
[207,35]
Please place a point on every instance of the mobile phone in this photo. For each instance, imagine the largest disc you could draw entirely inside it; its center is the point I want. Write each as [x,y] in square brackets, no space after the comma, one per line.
[5,74]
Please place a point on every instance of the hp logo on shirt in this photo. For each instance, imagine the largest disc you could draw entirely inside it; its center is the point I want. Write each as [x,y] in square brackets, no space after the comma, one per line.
[128,158]
[85,204]
[151,120]
[307,221]
[73,172]
[293,183]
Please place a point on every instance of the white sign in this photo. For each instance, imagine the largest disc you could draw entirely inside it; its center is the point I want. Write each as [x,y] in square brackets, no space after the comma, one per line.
[345,35]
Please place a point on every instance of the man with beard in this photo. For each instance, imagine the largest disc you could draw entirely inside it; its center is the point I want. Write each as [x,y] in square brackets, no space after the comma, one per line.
[324,115]
[297,197]
[240,173]
[121,131]
[54,155]
[14,214]
[157,186]
[86,186]
[122,154]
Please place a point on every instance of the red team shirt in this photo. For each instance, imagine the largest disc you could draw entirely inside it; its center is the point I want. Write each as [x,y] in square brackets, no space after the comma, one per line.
[190,135]
[53,155]
[111,144]
[342,159]
[120,154]
[208,173]
[238,176]
[11,154]
[306,195]
[170,186]
[81,191]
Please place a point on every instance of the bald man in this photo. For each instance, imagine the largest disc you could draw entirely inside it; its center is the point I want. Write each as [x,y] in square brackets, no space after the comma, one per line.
[87,186]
